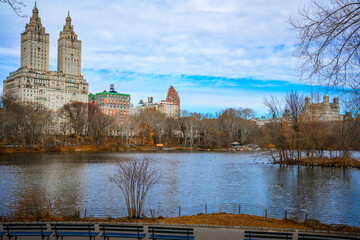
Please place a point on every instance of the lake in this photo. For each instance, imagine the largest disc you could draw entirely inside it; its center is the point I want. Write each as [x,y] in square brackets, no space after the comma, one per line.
[195,181]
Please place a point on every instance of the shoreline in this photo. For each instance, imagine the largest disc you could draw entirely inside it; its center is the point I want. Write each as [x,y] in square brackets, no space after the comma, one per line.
[336,162]
[214,220]
[93,149]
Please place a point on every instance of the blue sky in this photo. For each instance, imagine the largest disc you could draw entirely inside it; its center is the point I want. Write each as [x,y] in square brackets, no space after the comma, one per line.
[216,53]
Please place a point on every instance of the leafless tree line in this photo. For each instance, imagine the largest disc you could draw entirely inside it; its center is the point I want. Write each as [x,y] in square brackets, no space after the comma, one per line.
[23,123]
[305,134]
[293,137]
[34,125]
[191,129]
[31,124]
[328,49]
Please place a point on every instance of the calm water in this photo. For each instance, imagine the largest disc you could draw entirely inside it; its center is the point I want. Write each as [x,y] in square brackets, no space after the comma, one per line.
[222,181]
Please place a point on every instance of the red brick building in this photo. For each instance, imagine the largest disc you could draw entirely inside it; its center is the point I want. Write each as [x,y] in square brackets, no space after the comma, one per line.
[112,103]
[173,97]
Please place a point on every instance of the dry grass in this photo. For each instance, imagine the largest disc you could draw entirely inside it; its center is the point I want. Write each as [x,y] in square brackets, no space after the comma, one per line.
[244,220]
[234,220]
[221,219]
[326,162]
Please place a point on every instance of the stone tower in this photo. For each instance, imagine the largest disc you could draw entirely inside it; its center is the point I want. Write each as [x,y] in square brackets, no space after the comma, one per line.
[69,50]
[173,96]
[35,44]
[326,99]
[325,111]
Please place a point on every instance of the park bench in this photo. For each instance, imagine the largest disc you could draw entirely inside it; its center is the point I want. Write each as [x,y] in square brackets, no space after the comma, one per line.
[311,236]
[2,233]
[122,231]
[74,230]
[171,233]
[26,229]
[265,235]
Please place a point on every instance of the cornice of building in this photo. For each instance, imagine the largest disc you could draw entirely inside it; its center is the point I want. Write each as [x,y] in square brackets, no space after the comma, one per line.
[109,93]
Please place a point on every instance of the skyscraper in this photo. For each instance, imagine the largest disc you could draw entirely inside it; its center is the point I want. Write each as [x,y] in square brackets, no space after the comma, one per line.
[35,44]
[69,50]
[33,82]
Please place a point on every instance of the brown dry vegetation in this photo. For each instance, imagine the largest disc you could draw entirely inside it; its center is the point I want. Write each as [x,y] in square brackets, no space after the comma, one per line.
[103,148]
[244,220]
[326,162]
[234,220]
[241,220]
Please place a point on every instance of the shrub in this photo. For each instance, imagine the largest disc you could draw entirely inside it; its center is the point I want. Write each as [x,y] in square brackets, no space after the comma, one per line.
[33,205]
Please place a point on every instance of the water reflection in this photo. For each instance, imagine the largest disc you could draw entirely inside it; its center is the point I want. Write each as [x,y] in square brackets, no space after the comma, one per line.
[223,181]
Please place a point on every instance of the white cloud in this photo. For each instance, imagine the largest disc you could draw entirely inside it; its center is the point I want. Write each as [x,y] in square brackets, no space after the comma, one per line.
[226,38]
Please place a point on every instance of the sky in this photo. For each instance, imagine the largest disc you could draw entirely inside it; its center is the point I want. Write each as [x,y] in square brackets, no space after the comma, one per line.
[216,53]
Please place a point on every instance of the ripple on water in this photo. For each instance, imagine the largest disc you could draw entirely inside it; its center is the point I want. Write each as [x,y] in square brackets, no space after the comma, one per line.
[222,181]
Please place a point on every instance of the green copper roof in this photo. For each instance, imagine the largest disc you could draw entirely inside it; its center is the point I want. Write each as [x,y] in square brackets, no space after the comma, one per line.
[68,13]
[109,93]
[35,5]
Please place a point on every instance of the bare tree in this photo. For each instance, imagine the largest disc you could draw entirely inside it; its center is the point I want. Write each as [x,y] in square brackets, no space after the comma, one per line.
[98,123]
[37,120]
[181,126]
[329,41]
[228,125]
[170,127]
[302,129]
[313,130]
[191,123]
[244,113]
[135,178]
[16,6]
[294,103]
[208,128]
[348,131]
[24,123]
[245,127]
[15,113]
[4,122]
[276,130]
[129,129]
[75,114]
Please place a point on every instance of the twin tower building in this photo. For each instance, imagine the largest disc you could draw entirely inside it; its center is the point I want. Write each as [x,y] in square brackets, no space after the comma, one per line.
[35,47]
[33,82]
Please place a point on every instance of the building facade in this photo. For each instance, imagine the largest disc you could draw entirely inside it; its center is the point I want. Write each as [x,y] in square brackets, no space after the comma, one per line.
[173,97]
[142,105]
[112,103]
[69,50]
[324,111]
[35,44]
[34,82]
[170,107]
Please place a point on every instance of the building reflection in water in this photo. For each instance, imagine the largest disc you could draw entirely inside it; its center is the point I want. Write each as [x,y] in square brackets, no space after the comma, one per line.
[79,182]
